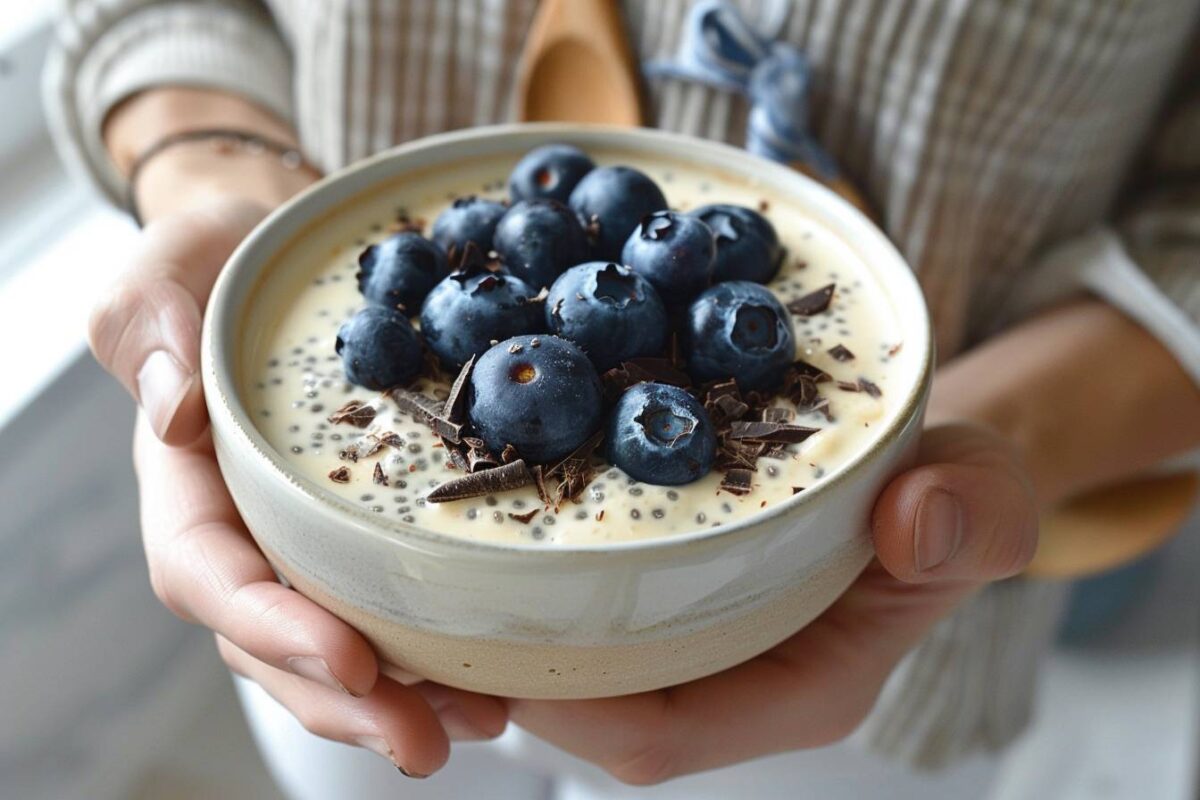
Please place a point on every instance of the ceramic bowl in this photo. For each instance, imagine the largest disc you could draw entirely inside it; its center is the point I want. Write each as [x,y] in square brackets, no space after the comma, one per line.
[556,621]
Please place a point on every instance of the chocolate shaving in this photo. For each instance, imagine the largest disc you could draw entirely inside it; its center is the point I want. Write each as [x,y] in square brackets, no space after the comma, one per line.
[365,447]
[797,489]
[523,518]
[392,439]
[354,412]
[340,475]
[777,414]
[420,406]
[849,386]
[480,484]
[378,475]
[841,353]
[571,474]
[805,369]
[870,388]
[737,482]
[776,432]
[453,410]
[509,454]
[539,483]
[600,515]
[730,407]
[813,303]
[894,349]
[479,457]
[456,454]
[735,454]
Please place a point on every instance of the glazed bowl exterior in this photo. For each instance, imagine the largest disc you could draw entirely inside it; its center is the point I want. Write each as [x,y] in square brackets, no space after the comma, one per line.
[555,621]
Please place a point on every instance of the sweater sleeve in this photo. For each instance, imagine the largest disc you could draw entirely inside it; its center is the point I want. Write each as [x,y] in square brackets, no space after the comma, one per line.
[105,51]
[1146,262]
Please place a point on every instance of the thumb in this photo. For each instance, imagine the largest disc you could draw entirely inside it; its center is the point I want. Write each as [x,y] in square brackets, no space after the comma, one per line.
[967,511]
[146,330]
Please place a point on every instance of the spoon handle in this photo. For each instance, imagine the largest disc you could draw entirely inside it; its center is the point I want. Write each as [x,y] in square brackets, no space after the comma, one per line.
[577,66]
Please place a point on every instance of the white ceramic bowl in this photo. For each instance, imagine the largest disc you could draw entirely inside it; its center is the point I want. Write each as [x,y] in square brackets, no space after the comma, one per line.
[556,622]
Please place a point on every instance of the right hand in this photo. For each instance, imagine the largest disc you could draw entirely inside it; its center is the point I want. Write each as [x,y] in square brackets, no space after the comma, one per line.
[203,564]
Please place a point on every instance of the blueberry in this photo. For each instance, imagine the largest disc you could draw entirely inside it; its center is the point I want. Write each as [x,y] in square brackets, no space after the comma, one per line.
[467,219]
[613,313]
[399,271]
[661,434]
[548,172]
[379,348]
[675,253]
[538,239]
[748,248]
[467,311]
[616,198]
[738,329]
[538,393]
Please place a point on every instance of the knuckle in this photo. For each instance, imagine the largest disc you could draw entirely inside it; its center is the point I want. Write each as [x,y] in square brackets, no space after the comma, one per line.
[111,318]
[161,585]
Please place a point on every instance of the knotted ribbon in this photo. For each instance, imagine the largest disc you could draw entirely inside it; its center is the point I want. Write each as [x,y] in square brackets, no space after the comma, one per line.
[720,49]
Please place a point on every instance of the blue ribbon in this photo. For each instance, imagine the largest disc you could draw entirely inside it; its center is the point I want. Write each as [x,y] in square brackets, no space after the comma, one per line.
[721,50]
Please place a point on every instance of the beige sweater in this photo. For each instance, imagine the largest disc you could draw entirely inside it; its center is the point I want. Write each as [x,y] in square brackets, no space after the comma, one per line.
[995,138]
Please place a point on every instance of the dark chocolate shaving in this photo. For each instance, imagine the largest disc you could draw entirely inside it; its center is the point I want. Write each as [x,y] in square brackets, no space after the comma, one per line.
[775,432]
[420,406]
[737,481]
[849,386]
[453,411]
[354,412]
[340,475]
[523,518]
[813,303]
[378,476]
[777,414]
[509,454]
[808,370]
[567,478]
[392,439]
[797,489]
[480,484]
[841,353]
[457,455]
[870,388]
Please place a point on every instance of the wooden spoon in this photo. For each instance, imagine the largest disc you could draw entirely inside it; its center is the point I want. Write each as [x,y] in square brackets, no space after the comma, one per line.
[577,66]
[1110,527]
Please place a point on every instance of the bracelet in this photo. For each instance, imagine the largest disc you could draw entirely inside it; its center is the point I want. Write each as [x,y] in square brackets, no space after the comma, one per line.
[250,143]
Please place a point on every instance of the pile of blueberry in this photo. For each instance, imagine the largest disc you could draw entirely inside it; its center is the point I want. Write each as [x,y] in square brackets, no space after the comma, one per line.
[584,271]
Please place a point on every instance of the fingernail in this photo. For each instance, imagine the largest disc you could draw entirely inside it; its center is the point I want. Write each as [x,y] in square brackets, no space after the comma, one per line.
[938,529]
[162,385]
[315,669]
[458,727]
[377,744]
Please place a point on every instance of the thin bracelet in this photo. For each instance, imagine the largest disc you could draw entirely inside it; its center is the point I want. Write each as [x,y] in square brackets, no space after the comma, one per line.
[251,143]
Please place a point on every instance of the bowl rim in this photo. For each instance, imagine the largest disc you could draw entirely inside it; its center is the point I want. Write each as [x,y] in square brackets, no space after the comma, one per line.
[222,321]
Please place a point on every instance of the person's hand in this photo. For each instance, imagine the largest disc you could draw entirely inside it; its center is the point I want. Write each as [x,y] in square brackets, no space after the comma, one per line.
[964,516]
[203,564]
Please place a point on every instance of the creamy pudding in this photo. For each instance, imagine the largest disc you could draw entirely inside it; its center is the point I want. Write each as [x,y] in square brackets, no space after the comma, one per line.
[387,461]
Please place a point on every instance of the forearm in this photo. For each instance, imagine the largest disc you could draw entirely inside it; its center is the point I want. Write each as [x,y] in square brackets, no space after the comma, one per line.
[1085,394]
[188,174]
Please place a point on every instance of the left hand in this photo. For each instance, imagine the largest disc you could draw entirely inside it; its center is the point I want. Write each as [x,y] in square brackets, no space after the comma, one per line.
[964,516]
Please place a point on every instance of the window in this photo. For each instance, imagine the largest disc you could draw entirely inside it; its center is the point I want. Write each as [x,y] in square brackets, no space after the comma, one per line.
[59,244]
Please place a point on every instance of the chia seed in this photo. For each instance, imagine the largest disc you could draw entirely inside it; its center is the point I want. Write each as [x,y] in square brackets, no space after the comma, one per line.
[636,491]
[635,514]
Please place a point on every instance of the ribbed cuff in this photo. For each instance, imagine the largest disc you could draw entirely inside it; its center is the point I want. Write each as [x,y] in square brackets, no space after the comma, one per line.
[208,45]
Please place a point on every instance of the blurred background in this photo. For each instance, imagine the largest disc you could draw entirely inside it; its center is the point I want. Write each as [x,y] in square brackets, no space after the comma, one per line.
[103,694]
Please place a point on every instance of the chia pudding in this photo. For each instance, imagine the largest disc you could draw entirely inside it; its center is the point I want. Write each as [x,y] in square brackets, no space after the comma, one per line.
[381,456]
